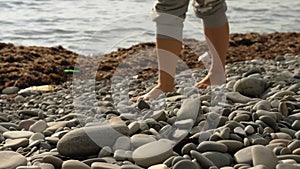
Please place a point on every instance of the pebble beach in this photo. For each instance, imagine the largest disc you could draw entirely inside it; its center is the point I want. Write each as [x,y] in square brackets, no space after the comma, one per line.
[91,122]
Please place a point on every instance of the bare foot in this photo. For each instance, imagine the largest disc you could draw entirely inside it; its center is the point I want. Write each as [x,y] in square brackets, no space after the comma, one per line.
[204,83]
[155,93]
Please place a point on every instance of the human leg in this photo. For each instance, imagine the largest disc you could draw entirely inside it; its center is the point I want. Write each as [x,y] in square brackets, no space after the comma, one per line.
[169,16]
[216,29]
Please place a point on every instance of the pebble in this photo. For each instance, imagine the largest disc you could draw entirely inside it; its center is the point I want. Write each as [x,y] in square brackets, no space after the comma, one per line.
[219,159]
[250,87]
[237,97]
[10,159]
[185,164]
[232,145]
[74,164]
[202,160]
[88,141]
[102,165]
[17,134]
[38,127]
[212,146]
[153,153]
[263,156]
[10,90]
[55,161]
[16,143]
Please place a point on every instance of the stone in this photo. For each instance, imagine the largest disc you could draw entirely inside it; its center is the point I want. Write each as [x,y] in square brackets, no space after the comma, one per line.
[269,121]
[153,153]
[102,165]
[250,87]
[16,143]
[138,140]
[232,145]
[281,94]
[259,167]
[89,140]
[294,145]
[244,156]
[142,104]
[249,129]
[219,159]
[10,90]
[202,160]
[185,164]
[122,143]
[237,97]
[29,167]
[158,166]
[131,166]
[25,124]
[281,135]
[46,166]
[17,134]
[55,161]
[133,127]
[262,155]
[289,156]
[211,146]
[296,151]
[188,147]
[11,160]
[296,125]
[190,109]
[74,164]
[262,105]
[38,126]
[287,166]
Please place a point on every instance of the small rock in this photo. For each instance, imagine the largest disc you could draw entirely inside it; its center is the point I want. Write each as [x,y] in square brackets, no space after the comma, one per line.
[251,87]
[142,104]
[262,155]
[16,143]
[232,145]
[202,160]
[153,153]
[74,164]
[185,164]
[219,159]
[38,126]
[236,97]
[211,146]
[249,130]
[17,134]
[10,90]
[102,165]
[10,159]
[55,161]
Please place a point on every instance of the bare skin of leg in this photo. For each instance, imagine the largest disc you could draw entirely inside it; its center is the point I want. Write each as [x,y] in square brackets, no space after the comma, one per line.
[168,51]
[218,40]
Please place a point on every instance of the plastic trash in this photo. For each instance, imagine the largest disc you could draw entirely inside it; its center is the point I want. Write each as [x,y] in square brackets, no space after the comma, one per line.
[205,59]
[71,71]
[43,88]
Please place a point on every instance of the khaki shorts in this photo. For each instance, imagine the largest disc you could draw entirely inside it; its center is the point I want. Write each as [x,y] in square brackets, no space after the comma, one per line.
[170,14]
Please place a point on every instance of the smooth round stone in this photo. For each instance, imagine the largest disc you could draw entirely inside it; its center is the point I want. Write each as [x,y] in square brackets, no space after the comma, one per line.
[269,121]
[38,126]
[202,160]
[296,151]
[122,143]
[281,94]
[212,146]
[29,167]
[225,133]
[102,165]
[244,156]
[74,164]
[289,156]
[142,104]
[185,164]
[89,140]
[133,127]
[36,136]
[294,145]
[262,105]
[153,153]
[17,134]
[10,90]
[55,161]
[283,141]
[259,167]
[287,166]
[158,166]
[105,151]
[249,130]
[262,155]
[19,98]
[46,166]
[281,135]
[188,147]
[240,131]
[219,159]
[25,124]
[257,139]
[10,159]
[16,143]
[130,166]
[296,125]
[138,140]
[232,145]
[236,97]
[251,87]
[120,155]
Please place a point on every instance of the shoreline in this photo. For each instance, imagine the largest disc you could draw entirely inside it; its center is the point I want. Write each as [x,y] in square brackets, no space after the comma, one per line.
[32,66]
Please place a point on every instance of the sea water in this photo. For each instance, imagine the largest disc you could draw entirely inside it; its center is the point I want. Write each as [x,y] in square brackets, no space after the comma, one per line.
[99,26]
